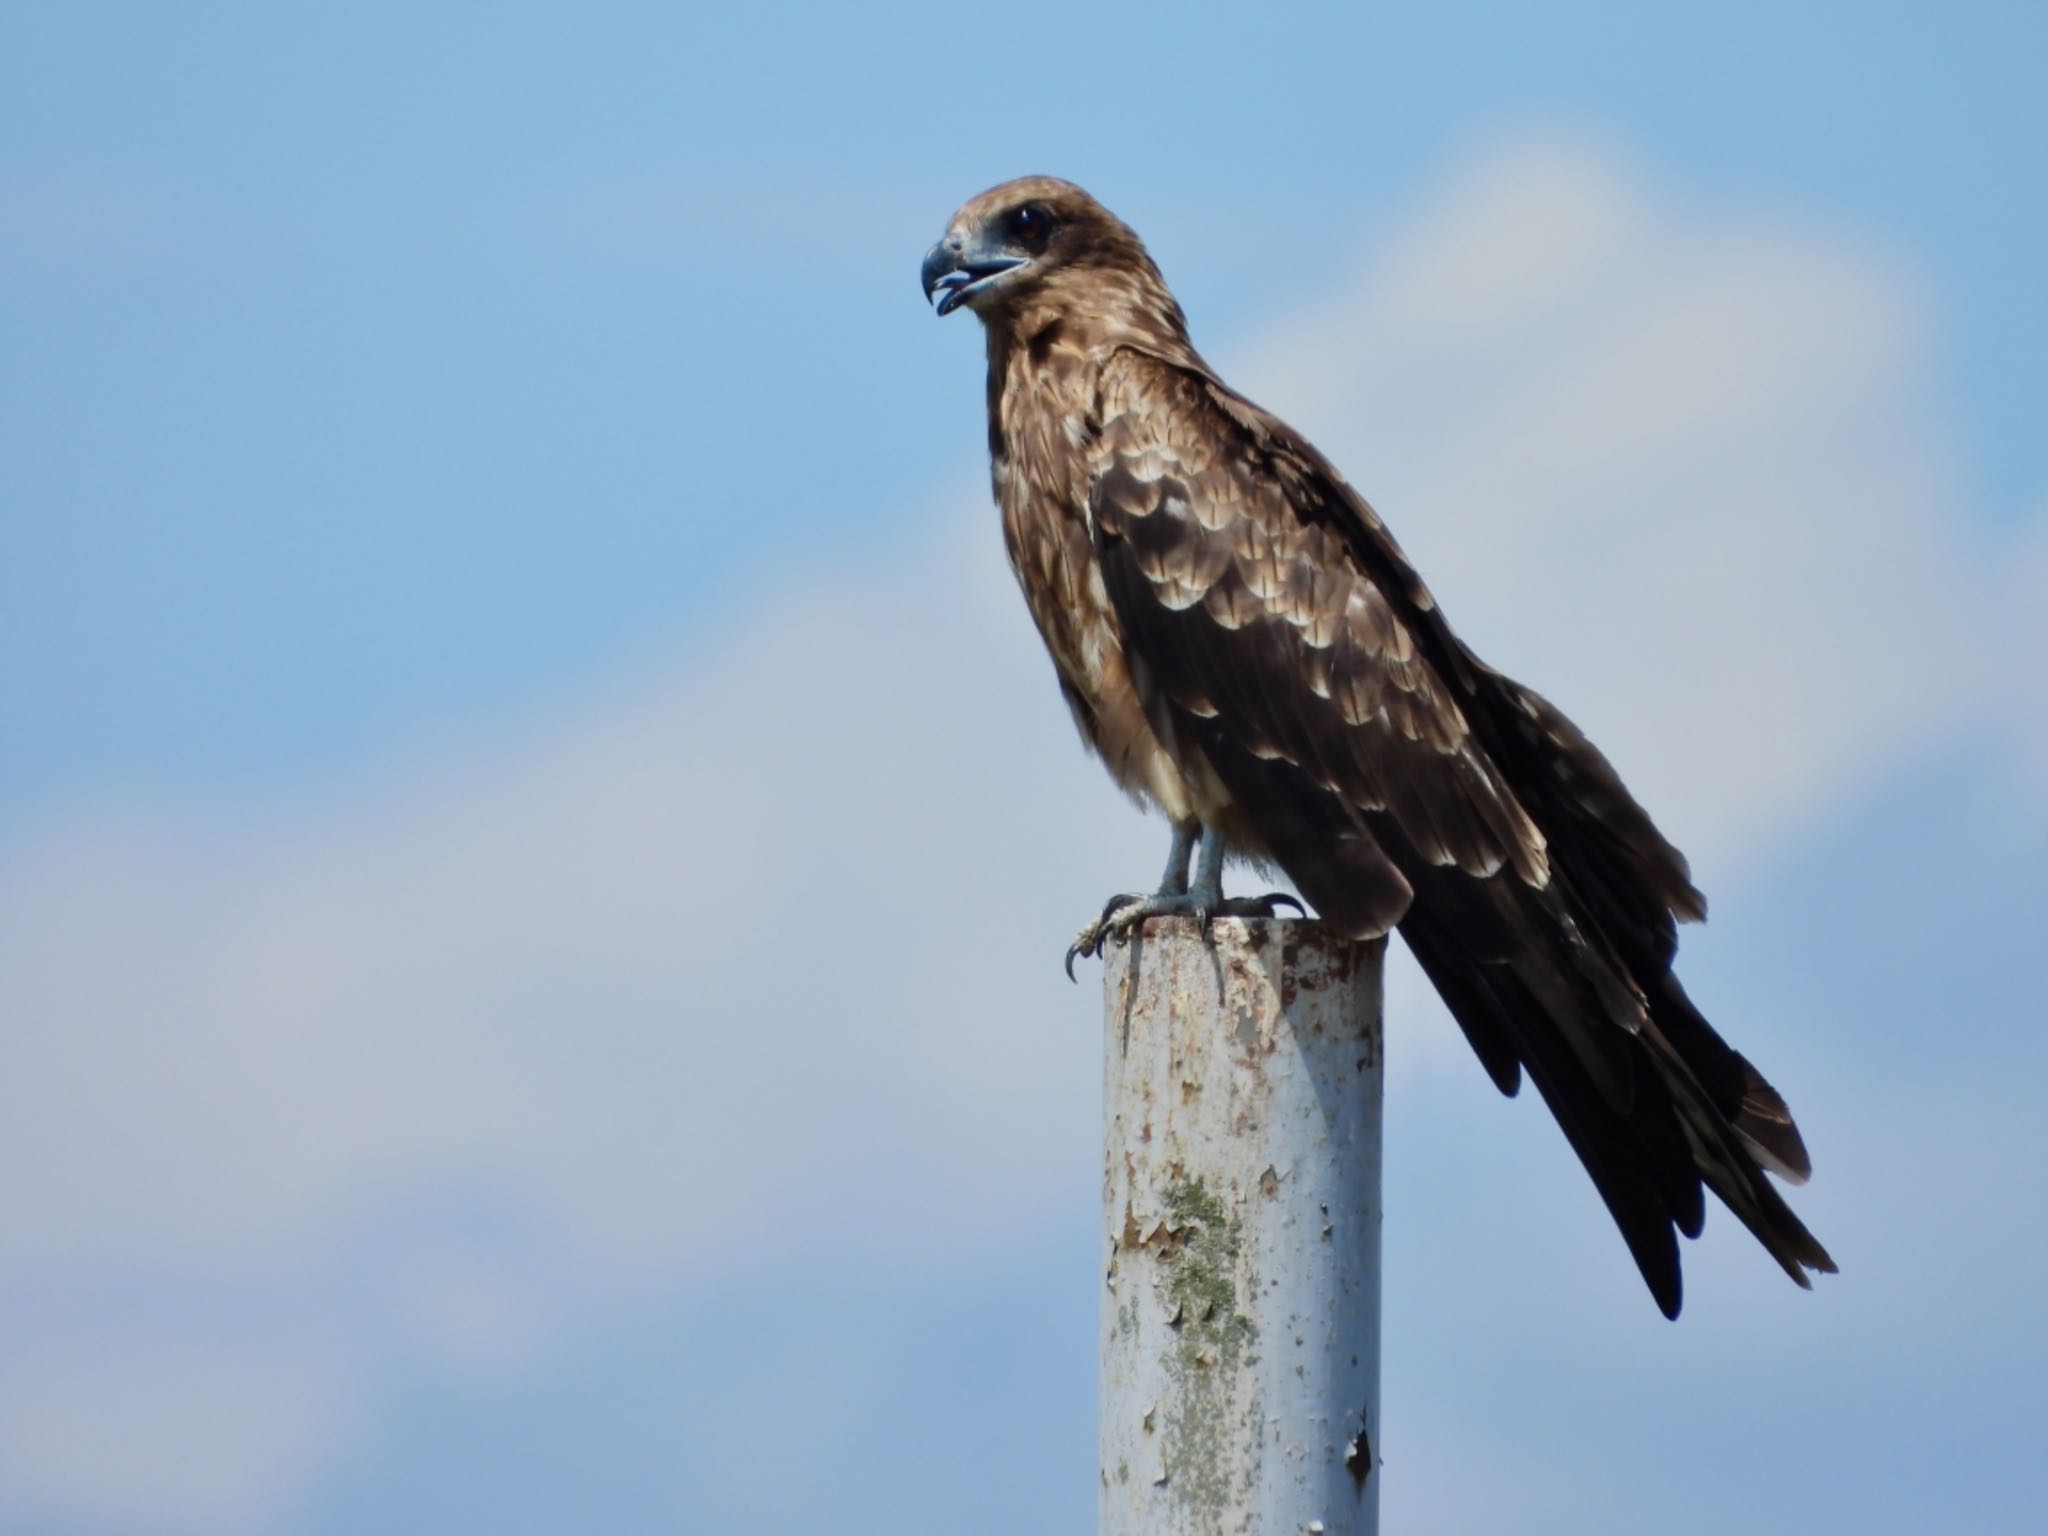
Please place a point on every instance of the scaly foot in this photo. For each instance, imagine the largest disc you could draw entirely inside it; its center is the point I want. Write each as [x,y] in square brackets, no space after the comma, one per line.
[1122,914]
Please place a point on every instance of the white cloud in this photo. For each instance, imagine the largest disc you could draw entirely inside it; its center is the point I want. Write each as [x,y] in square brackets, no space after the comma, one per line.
[527,956]
[757,953]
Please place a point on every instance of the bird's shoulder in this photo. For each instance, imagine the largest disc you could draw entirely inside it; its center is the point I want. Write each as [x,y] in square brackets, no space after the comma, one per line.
[1179,455]
[1171,417]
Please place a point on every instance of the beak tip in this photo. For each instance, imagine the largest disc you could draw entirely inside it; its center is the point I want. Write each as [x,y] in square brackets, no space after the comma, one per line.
[938,261]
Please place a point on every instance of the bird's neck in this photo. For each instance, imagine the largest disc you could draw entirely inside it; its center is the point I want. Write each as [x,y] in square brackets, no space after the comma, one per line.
[1089,315]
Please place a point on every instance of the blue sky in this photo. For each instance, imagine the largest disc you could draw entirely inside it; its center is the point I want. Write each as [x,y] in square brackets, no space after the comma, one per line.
[495,552]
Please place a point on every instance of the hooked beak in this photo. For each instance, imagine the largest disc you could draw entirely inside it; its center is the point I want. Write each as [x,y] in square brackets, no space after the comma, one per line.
[952,274]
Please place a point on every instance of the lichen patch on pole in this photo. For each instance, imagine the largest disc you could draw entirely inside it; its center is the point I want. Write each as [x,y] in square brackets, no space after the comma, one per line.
[1241,1213]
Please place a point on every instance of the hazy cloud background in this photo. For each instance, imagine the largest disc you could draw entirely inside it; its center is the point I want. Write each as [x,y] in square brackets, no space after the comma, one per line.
[531,894]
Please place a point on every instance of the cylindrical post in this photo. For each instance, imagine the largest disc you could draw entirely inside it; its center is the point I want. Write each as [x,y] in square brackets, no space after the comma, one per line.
[1241,1212]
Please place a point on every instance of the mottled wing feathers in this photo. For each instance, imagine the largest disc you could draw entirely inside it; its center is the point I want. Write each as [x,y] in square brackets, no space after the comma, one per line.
[1256,620]
[1276,625]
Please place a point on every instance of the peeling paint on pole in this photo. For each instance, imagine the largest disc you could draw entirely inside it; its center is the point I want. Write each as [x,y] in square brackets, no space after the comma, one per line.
[1241,1214]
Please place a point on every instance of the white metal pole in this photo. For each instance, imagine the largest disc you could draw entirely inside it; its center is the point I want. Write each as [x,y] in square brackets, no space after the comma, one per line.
[1240,1326]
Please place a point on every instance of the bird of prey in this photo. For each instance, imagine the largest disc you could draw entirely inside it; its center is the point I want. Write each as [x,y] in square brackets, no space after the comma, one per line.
[1246,647]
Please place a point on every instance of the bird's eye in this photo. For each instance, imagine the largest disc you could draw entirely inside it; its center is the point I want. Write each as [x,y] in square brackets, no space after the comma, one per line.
[1031,224]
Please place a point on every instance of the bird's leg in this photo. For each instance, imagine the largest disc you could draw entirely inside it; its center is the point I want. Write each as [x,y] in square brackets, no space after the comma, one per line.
[1206,893]
[1201,898]
[1178,855]
[1172,884]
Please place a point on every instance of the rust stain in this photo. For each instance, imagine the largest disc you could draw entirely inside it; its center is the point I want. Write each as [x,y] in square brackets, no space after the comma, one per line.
[1342,960]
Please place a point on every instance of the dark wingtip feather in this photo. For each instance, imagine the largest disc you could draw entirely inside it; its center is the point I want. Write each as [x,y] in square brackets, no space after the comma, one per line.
[1670,1302]
[1764,1122]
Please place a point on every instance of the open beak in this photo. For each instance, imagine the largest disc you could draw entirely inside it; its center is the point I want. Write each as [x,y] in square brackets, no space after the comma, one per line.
[953,275]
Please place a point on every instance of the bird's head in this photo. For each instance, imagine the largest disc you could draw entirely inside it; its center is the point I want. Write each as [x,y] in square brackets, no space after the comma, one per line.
[1033,242]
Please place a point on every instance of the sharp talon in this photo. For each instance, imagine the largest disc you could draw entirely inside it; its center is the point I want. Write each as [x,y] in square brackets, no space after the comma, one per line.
[1083,948]
[1088,942]
[1259,906]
